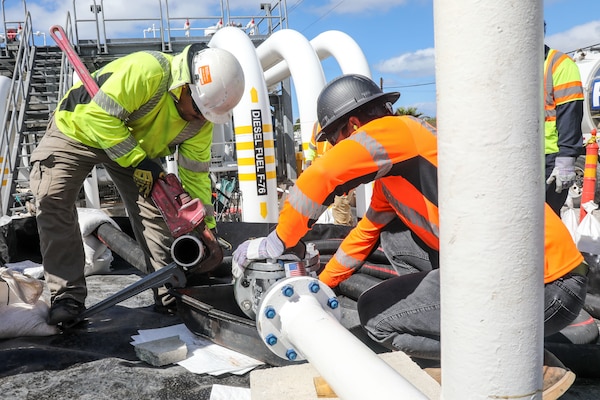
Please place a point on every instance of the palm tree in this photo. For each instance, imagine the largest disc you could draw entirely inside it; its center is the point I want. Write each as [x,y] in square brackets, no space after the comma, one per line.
[413,112]
[409,111]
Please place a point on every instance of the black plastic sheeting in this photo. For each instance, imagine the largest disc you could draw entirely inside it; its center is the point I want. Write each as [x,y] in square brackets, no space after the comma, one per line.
[96,360]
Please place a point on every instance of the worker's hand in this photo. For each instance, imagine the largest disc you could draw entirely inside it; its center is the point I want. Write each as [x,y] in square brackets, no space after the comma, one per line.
[146,174]
[256,249]
[563,173]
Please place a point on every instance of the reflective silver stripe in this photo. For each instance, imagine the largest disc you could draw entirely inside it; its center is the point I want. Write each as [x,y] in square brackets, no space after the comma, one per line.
[377,152]
[550,113]
[380,218]
[411,215]
[162,88]
[305,206]
[568,91]
[121,149]
[210,210]
[425,125]
[111,107]
[347,261]
[190,130]
[193,165]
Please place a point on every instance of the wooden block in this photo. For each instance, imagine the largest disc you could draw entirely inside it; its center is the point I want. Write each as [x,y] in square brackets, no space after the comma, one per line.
[322,388]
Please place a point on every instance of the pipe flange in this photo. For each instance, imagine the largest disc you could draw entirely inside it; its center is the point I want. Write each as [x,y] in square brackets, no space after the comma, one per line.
[268,322]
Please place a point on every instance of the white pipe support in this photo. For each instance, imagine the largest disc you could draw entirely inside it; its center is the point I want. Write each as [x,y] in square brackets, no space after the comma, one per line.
[299,319]
[255,146]
[91,191]
[489,70]
[305,68]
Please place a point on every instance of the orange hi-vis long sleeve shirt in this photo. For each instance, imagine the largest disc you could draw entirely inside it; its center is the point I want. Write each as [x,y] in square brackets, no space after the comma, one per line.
[400,155]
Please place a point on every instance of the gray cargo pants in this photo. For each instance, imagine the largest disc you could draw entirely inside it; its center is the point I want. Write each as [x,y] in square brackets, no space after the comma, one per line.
[60,165]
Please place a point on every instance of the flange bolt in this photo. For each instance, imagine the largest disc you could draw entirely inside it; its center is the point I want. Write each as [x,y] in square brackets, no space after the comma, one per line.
[270,312]
[287,290]
[333,303]
[271,339]
[291,354]
[314,287]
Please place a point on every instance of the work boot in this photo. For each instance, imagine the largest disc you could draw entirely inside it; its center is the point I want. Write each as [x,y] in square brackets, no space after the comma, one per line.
[557,378]
[64,310]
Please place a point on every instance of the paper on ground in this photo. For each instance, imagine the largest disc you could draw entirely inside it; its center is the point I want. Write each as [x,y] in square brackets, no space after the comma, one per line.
[222,392]
[204,357]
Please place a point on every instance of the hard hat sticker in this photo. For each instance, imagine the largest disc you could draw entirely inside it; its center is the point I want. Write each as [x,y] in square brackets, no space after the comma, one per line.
[204,72]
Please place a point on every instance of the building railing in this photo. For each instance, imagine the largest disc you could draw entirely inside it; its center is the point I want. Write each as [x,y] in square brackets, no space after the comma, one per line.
[107,26]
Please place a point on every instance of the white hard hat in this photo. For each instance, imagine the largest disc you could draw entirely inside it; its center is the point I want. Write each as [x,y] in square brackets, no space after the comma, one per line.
[217,83]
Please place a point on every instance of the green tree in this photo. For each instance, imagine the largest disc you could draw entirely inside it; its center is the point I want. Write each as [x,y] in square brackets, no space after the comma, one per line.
[409,111]
[417,114]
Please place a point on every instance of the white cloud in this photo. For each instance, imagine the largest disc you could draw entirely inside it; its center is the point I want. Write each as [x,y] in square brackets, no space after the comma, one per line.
[359,6]
[420,63]
[577,37]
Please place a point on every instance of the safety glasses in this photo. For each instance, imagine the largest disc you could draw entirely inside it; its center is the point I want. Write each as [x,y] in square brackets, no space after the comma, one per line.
[333,138]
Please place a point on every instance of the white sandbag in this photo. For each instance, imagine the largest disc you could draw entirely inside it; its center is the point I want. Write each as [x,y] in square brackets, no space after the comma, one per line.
[22,319]
[570,218]
[23,289]
[588,231]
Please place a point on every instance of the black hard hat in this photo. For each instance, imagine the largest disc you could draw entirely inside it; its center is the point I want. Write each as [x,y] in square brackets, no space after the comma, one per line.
[342,96]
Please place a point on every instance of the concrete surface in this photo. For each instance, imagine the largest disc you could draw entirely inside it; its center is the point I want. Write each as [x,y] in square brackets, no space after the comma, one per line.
[297,381]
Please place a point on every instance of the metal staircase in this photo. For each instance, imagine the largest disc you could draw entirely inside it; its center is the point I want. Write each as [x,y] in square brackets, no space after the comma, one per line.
[37,74]
[34,89]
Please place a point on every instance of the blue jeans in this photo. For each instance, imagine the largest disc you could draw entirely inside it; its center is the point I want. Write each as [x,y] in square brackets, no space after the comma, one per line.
[403,313]
[405,251]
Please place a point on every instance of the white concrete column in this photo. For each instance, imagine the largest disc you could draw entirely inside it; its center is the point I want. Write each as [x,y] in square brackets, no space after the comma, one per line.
[489,58]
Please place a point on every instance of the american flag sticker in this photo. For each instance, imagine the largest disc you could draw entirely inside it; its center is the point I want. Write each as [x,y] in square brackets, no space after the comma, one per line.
[294,269]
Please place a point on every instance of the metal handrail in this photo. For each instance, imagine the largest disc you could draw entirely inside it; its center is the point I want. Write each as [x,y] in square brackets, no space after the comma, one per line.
[66,70]
[4,37]
[169,28]
[14,116]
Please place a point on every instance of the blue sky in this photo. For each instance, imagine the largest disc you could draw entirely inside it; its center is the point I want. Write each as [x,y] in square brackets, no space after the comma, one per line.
[396,36]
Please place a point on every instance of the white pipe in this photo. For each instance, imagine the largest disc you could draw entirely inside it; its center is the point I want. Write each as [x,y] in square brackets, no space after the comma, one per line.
[302,321]
[305,69]
[253,131]
[351,369]
[351,60]
[489,114]
[334,44]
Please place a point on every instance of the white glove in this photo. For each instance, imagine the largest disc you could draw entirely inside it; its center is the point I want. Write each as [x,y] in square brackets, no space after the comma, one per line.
[563,173]
[256,249]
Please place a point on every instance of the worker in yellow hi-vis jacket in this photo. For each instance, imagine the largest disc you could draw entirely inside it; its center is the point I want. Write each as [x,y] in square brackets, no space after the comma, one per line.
[149,104]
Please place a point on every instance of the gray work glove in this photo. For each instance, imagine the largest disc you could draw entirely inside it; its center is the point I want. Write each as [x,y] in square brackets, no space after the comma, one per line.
[270,247]
[256,249]
[563,173]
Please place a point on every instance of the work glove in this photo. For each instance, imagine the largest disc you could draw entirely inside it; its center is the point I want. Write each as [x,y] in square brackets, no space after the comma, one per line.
[563,173]
[146,174]
[256,249]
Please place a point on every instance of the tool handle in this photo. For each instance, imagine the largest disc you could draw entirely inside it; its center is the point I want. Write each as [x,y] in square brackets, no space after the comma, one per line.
[58,34]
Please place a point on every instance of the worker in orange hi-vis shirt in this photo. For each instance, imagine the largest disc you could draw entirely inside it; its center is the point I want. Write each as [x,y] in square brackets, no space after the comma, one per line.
[398,153]
[340,212]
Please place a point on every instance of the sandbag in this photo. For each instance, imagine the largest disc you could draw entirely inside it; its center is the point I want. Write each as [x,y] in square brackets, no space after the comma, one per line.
[22,311]
[22,319]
